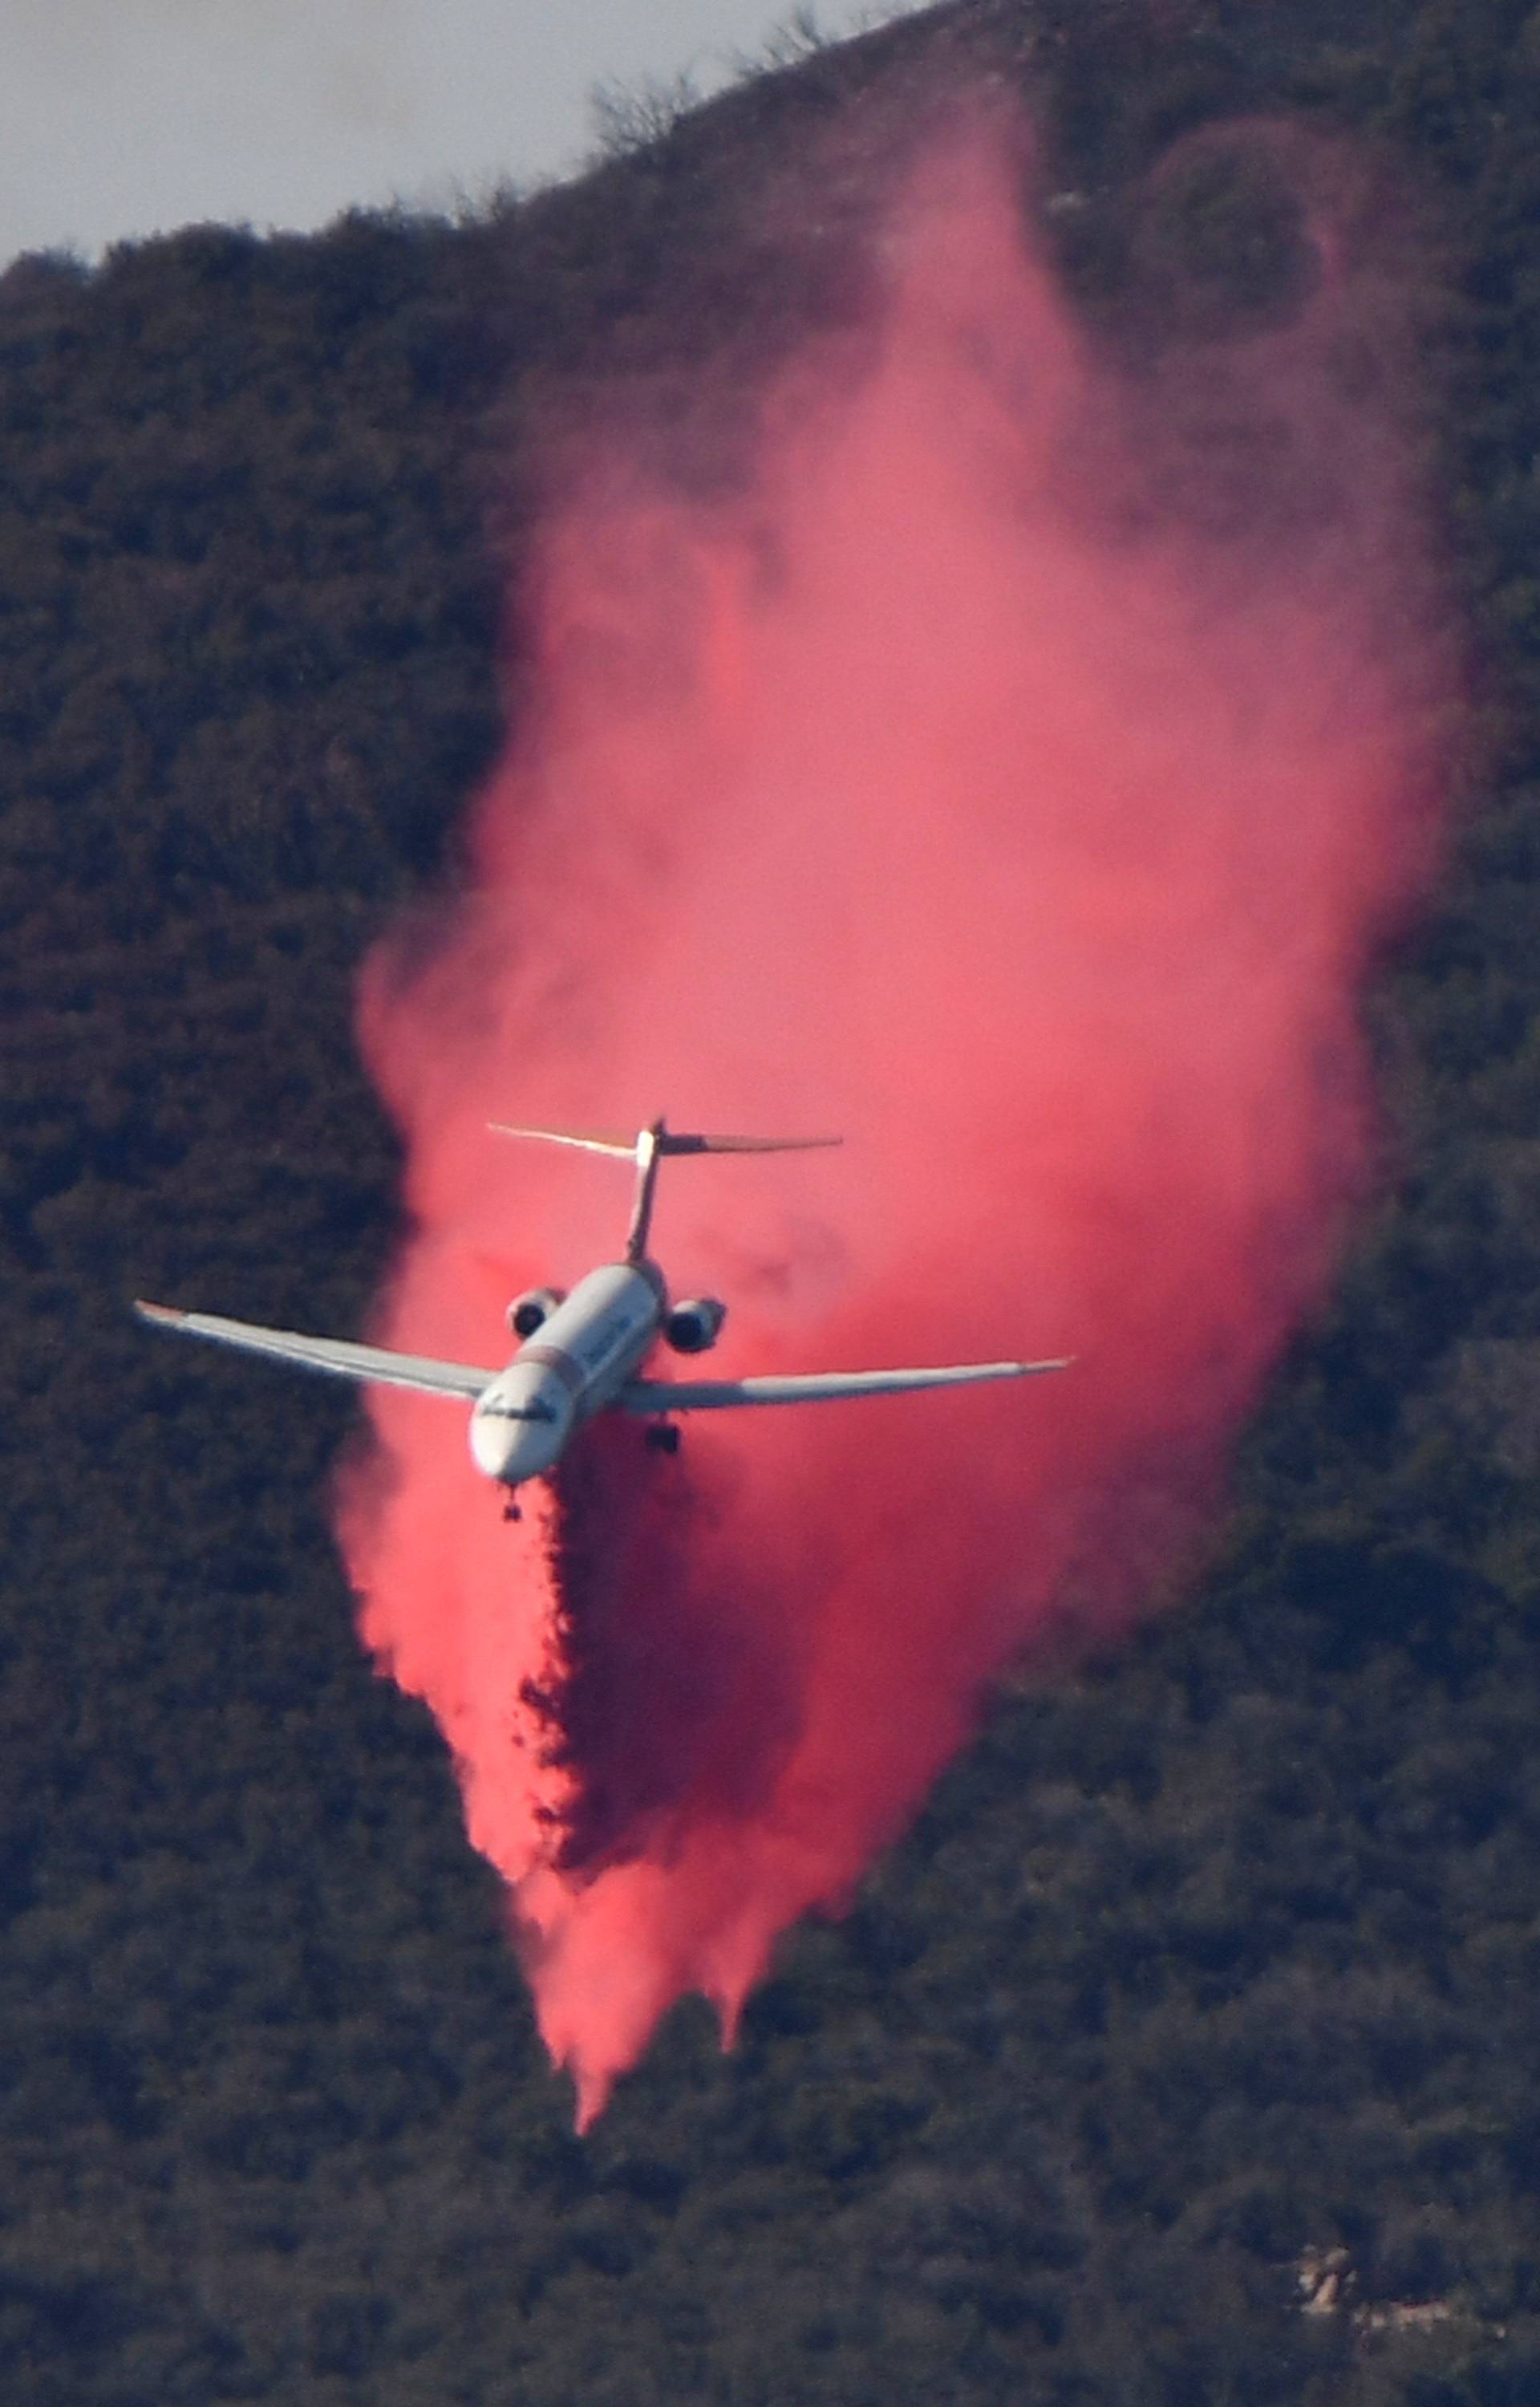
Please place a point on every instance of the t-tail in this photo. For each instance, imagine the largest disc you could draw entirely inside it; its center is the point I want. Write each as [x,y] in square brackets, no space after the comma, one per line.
[651,1146]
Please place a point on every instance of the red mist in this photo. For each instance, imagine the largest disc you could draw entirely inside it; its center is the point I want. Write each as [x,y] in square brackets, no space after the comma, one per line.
[991,770]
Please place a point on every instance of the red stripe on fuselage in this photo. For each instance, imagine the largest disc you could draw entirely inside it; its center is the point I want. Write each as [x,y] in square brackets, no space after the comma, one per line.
[551,1357]
[596,1335]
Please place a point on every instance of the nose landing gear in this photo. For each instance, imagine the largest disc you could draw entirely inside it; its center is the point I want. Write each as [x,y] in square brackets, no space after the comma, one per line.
[512,1509]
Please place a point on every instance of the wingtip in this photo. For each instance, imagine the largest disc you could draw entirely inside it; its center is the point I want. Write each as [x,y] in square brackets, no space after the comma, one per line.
[167,1313]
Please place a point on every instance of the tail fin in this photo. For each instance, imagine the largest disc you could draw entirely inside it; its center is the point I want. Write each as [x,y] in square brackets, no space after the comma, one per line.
[648,1147]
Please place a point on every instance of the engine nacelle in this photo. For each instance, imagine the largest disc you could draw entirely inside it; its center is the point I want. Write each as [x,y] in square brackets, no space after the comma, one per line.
[693,1326]
[528,1311]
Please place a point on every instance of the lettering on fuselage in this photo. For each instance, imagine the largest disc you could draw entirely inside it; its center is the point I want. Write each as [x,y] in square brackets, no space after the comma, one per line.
[572,1366]
[599,1334]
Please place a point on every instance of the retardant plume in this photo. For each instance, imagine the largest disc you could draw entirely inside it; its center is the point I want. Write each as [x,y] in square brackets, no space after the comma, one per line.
[1011,761]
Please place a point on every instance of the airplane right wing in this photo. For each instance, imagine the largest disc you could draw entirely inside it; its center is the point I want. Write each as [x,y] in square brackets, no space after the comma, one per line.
[814,1387]
[340,1356]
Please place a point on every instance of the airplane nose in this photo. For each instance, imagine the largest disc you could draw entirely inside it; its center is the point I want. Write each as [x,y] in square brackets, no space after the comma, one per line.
[494,1445]
[509,1450]
[518,1428]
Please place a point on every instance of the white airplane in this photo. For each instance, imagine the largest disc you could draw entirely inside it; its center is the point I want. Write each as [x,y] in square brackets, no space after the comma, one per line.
[580,1353]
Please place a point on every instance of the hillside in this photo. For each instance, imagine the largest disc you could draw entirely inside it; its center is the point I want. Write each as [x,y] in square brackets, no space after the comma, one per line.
[1209,1954]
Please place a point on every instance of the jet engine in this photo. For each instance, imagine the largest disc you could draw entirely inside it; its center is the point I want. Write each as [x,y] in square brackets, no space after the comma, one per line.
[536,1304]
[691,1326]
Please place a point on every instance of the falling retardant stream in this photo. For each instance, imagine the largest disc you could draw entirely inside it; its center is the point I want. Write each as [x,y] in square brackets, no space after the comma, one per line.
[1012,761]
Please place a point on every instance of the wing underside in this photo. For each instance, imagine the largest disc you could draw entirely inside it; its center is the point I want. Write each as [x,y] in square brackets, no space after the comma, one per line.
[812,1388]
[339,1358]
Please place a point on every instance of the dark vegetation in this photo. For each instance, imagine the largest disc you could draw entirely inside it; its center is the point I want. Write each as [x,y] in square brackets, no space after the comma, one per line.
[1219,1953]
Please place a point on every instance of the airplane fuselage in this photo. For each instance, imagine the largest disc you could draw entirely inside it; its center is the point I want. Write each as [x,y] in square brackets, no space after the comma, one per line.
[576,1363]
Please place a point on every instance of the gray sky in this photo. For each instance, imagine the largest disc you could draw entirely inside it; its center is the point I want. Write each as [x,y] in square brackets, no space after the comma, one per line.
[128,116]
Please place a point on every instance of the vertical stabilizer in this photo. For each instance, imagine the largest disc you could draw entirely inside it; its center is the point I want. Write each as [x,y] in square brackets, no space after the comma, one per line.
[649,1153]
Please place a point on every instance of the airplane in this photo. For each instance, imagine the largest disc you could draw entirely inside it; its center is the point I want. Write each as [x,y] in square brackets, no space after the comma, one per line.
[580,1353]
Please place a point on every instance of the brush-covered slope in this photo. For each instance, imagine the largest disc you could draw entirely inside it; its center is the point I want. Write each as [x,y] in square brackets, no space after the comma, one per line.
[1205,1958]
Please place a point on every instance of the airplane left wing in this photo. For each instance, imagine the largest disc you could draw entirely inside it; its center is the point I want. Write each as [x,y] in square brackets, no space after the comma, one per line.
[338,1355]
[814,1387]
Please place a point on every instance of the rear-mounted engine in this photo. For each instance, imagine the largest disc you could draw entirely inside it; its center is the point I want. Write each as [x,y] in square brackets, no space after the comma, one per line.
[528,1311]
[693,1326]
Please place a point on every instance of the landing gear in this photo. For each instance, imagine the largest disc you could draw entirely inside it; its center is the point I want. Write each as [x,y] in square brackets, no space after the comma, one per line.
[512,1509]
[663,1437]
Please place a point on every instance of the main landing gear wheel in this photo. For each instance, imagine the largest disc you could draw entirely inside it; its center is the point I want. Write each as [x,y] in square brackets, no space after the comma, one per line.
[663,1438]
[512,1509]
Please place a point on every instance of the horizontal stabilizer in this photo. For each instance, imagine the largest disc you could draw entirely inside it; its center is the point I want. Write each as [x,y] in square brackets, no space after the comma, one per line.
[340,1357]
[586,1140]
[670,1143]
[664,1141]
[814,1386]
